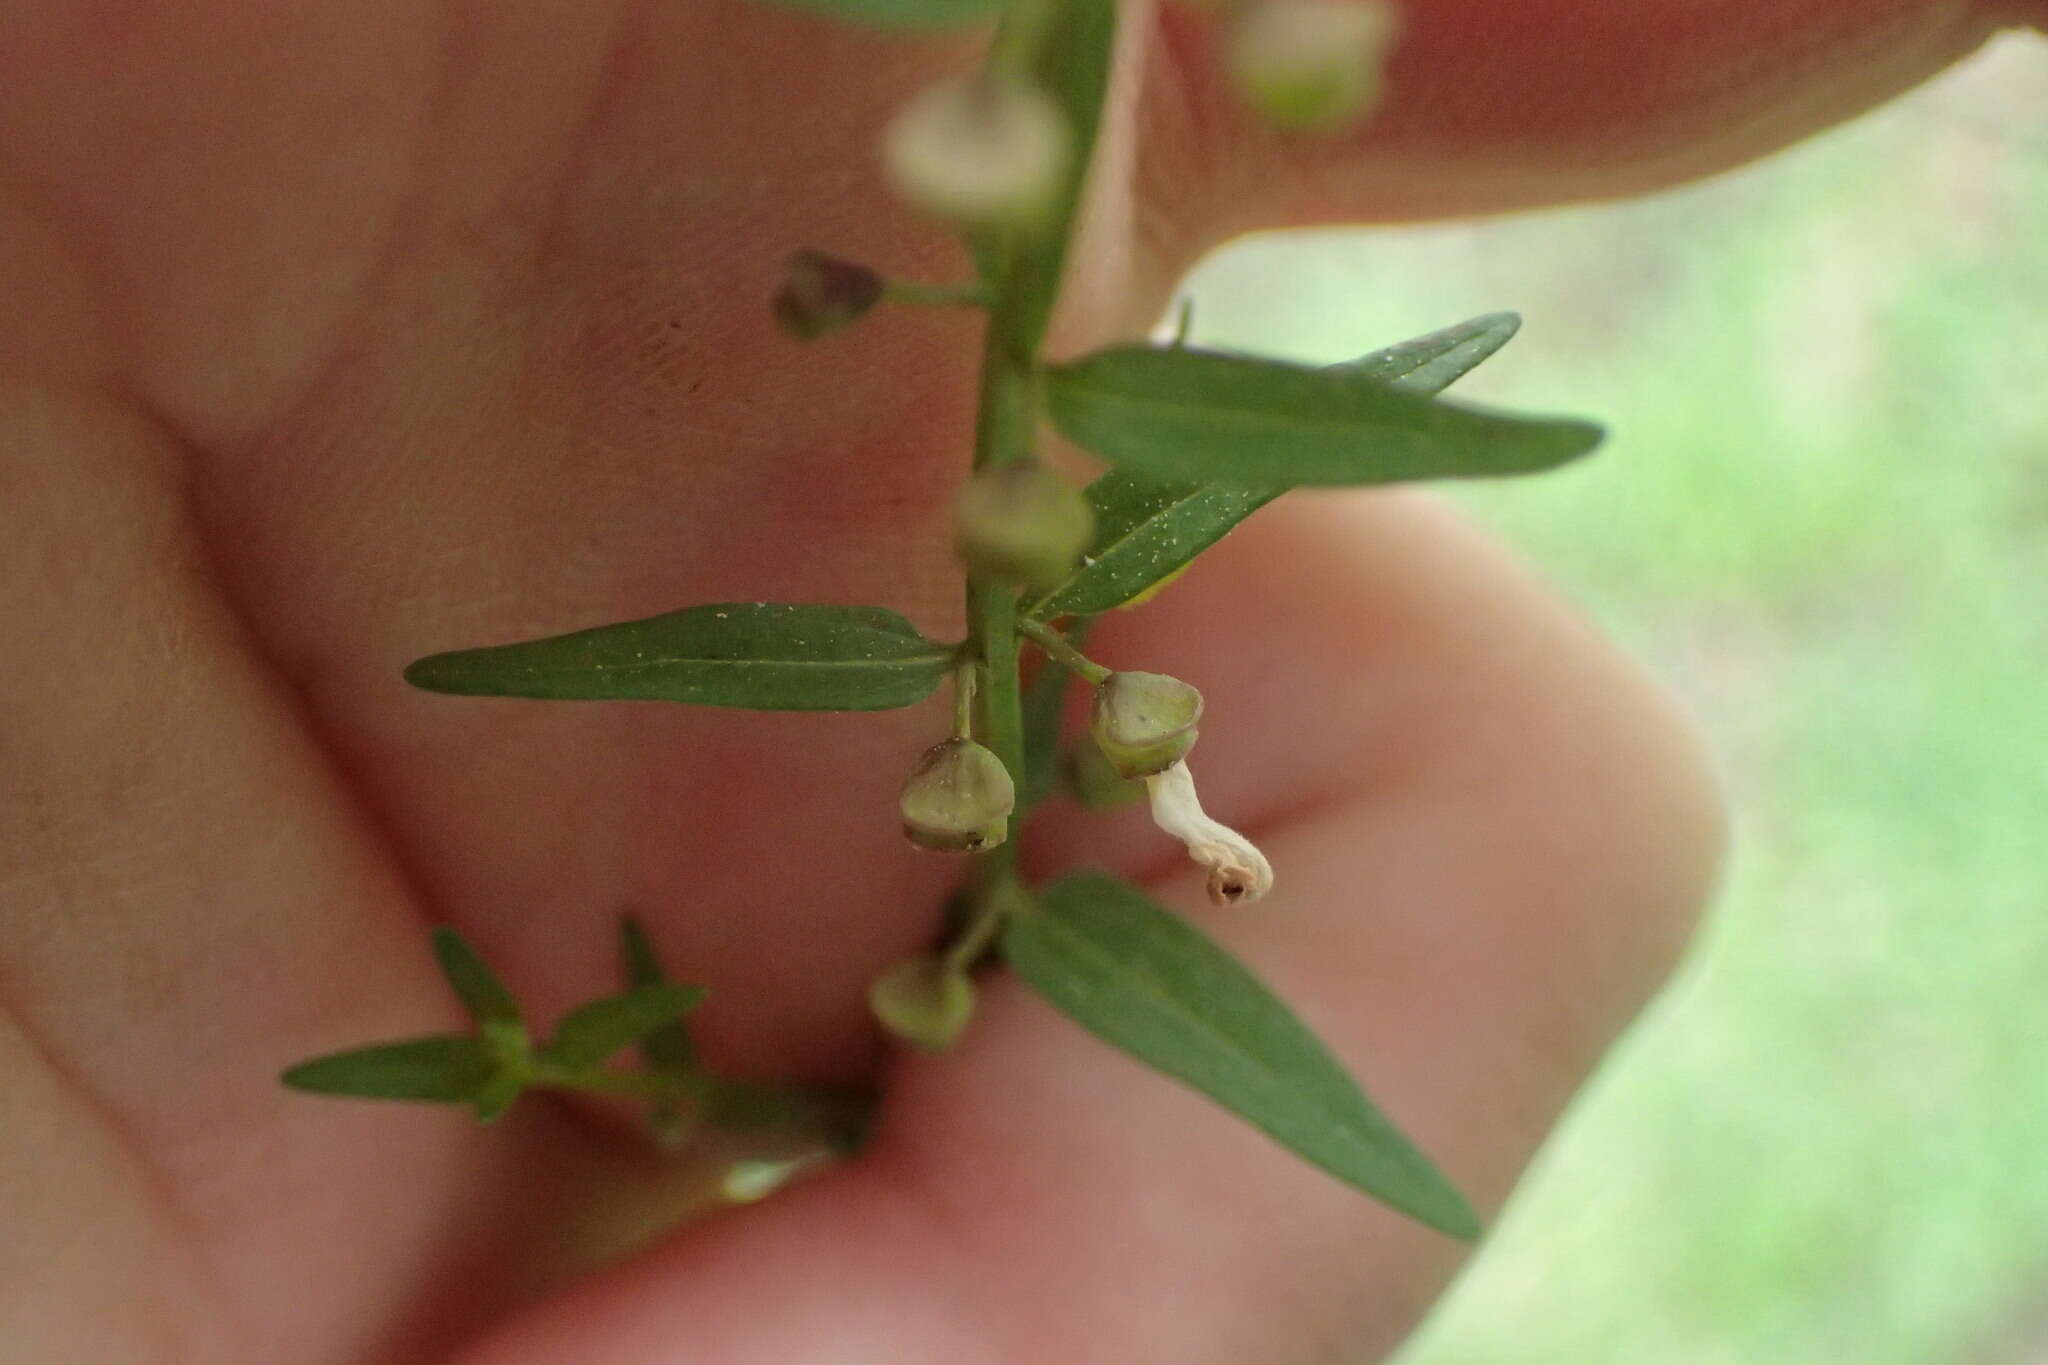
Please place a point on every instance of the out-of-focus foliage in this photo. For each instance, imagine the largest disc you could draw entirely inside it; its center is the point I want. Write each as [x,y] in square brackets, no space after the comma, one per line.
[1823,515]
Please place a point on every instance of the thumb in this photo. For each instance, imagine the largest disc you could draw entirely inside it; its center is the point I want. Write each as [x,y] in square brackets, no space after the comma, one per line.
[1492,105]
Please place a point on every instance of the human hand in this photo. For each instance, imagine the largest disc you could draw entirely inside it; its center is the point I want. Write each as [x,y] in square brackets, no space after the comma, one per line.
[337,335]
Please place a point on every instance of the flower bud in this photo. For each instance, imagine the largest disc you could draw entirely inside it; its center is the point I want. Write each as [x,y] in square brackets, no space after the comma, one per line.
[958,798]
[1311,65]
[1238,872]
[821,294]
[1021,523]
[1144,722]
[981,151]
[923,1002]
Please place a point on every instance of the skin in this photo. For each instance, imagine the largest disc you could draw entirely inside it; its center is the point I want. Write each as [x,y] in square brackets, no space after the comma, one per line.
[337,333]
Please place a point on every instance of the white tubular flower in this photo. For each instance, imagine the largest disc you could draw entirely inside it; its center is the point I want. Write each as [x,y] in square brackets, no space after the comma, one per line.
[1238,872]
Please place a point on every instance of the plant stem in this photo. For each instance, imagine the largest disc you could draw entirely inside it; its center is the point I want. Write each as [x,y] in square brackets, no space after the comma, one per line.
[963,699]
[728,1104]
[1006,427]
[646,1085]
[981,930]
[1058,647]
[1017,41]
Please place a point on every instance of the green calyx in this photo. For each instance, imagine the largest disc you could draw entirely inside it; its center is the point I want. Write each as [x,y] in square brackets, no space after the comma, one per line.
[958,798]
[1144,723]
[1021,523]
[923,1001]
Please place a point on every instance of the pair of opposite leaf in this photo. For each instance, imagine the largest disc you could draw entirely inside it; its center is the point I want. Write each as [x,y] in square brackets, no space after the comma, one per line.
[1374,421]
[498,1060]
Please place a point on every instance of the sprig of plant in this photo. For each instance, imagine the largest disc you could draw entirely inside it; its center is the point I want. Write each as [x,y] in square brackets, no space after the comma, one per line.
[499,1059]
[1197,441]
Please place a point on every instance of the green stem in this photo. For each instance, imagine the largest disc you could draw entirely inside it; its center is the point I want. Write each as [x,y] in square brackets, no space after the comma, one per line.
[1006,428]
[728,1104]
[1018,40]
[963,699]
[992,613]
[646,1085]
[981,931]
[1058,647]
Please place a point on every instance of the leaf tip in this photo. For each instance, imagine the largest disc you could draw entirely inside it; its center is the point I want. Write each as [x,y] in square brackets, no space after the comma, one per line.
[636,953]
[1454,1218]
[1585,437]
[1432,1200]
[432,674]
[300,1076]
[1503,324]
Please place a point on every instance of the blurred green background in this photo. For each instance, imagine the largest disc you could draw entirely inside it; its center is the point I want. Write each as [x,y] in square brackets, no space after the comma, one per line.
[1823,516]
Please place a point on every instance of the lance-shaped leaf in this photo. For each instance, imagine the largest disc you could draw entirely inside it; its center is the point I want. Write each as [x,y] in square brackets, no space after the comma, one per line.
[765,655]
[1201,415]
[590,1033]
[1147,529]
[474,983]
[443,1068]
[1145,981]
[901,13]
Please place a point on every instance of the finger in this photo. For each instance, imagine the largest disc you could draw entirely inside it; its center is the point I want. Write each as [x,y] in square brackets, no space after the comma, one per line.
[587,417]
[191,899]
[1500,104]
[1467,925]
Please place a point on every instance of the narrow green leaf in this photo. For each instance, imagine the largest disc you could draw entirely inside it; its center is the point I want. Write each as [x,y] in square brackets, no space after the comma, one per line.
[590,1033]
[443,1068]
[1431,363]
[1146,981]
[1254,423]
[764,655]
[901,13]
[475,984]
[1147,529]
[668,1047]
[1073,67]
